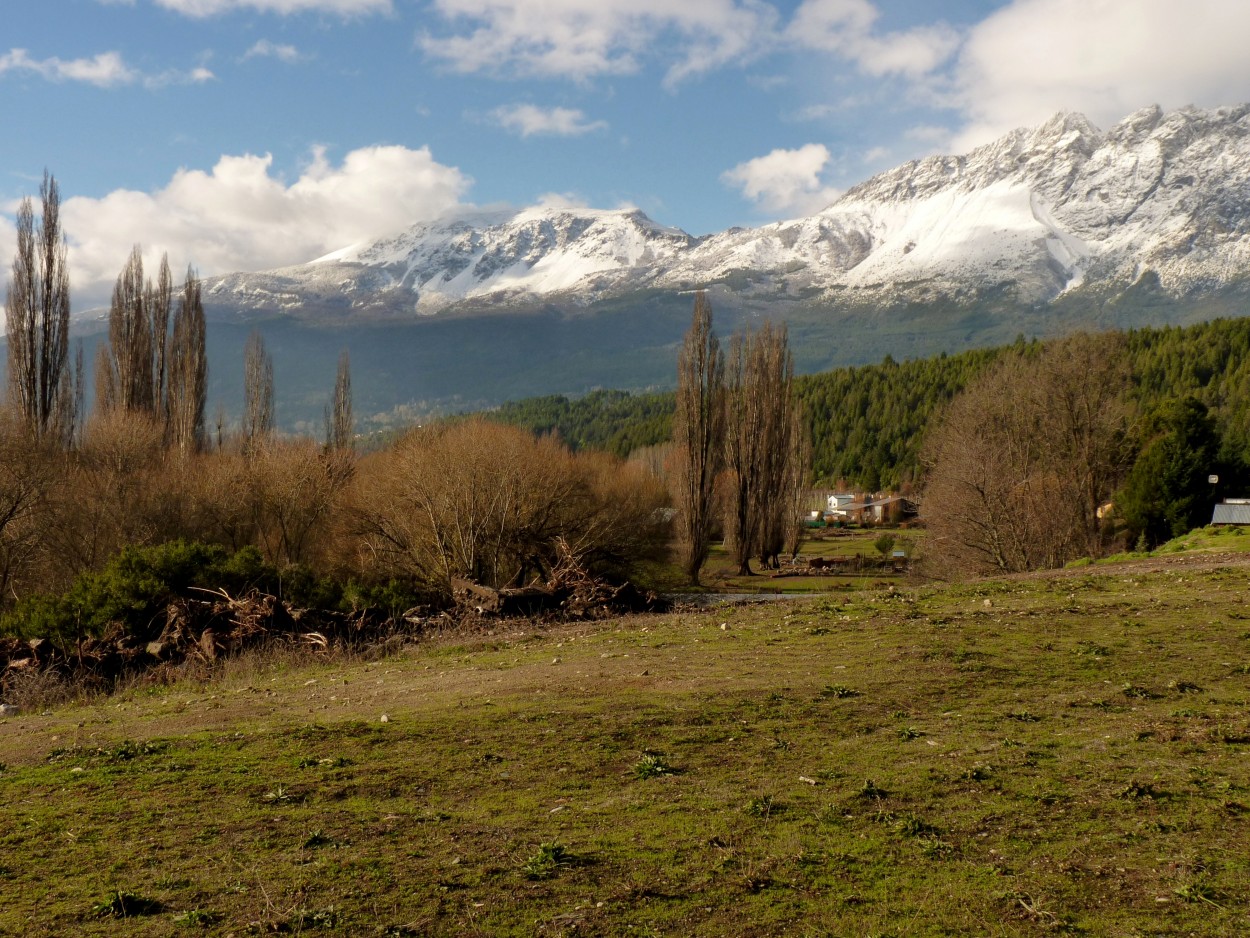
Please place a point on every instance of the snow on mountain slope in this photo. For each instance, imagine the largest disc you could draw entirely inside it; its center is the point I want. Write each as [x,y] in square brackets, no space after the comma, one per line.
[1043,211]
[534,252]
[1046,209]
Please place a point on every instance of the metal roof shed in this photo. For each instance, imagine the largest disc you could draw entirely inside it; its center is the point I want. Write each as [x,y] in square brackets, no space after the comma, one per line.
[1231,513]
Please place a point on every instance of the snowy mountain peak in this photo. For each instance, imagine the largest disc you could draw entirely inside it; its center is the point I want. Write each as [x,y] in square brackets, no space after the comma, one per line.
[1041,211]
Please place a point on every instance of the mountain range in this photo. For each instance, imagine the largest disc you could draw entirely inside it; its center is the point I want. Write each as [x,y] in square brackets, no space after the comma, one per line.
[1043,230]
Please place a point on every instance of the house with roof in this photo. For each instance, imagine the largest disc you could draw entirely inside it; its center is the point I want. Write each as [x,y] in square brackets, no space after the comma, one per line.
[1232,511]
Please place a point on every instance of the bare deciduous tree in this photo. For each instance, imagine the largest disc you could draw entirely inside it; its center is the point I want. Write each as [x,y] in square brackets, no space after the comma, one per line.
[795,488]
[133,374]
[1023,459]
[187,382]
[160,298]
[105,380]
[130,340]
[294,490]
[257,392]
[758,451]
[340,429]
[114,492]
[37,321]
[493,503]
[779,453]
[26,474]
[698,429]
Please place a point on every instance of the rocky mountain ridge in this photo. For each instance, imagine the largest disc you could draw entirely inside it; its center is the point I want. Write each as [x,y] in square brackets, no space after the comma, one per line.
[1039,213]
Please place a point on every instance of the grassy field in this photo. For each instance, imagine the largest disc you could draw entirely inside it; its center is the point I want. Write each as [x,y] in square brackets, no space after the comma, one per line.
[1062,754]
[720,573]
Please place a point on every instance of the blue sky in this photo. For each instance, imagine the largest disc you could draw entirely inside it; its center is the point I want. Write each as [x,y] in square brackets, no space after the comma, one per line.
[246,134]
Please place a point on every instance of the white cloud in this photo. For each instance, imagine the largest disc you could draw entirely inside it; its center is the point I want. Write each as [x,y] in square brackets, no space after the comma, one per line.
[197,76]
[529,120]
[785,182]
[1104,58]
[263,48]
[105,70]
[582,39]
[241,216]
[346,8]
[845,27]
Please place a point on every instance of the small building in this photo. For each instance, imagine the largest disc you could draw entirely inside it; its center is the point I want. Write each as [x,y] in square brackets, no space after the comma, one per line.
[837,503]
[1232,511]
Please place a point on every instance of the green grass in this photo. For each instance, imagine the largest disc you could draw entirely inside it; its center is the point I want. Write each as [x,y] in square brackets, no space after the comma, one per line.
[1210,539]
[720,571]
[936,761]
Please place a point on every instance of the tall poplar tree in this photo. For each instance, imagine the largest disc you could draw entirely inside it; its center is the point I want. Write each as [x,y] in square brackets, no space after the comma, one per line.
[187,379]
[257,393]
[759,450]
[37,321]
[340,428]
[698,429]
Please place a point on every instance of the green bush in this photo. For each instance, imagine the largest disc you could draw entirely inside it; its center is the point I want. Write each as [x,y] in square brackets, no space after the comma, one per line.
[134,589]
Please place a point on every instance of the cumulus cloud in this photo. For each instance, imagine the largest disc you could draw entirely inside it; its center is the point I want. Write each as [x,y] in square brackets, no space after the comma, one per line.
[583,39]
[529,120]
[785,182]
[1106,59]
[346,8]
[845,27]
[105,70]
[264,49]
[242,216]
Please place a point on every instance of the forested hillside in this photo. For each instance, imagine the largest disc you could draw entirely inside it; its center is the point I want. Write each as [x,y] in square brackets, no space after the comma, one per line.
[868,422]
[1210,361]
[615,421]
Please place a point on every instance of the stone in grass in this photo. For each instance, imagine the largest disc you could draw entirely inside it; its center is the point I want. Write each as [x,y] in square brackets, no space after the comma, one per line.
[9,710]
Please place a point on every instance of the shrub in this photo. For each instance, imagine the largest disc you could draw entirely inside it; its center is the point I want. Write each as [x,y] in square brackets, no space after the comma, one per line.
[133,589]
[494,504]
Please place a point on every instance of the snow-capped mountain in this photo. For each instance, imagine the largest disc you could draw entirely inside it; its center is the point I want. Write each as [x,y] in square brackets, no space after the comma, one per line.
[1045,230]
[486,257]
[1046,210]
[1041,213]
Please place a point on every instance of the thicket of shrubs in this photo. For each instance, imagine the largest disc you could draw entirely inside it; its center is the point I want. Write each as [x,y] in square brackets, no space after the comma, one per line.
[112,529]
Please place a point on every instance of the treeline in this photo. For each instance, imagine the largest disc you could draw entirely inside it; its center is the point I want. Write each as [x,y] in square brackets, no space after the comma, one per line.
[867,423]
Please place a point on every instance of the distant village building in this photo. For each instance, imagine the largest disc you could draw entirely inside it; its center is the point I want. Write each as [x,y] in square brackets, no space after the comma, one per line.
[1232,511]
[837,503]
[867,509]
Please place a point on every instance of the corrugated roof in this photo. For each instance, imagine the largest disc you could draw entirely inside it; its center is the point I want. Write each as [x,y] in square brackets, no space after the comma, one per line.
[1231,514]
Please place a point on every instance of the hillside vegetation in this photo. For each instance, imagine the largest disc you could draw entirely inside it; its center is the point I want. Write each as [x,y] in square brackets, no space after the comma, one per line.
[868,422]
[1058,754]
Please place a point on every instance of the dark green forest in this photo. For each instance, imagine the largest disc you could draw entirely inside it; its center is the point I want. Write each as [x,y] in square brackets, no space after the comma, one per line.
[867,422]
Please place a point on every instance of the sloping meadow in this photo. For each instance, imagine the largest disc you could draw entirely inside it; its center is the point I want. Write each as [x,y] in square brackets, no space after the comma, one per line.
[1042,755]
